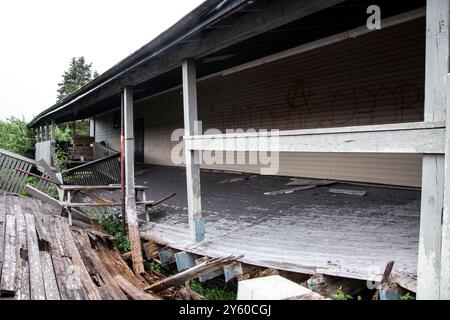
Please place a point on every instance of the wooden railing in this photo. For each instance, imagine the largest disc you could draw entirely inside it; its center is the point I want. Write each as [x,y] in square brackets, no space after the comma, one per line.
[103,171]
[12,180]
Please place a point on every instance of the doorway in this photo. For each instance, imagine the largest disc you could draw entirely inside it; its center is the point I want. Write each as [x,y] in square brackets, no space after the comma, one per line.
[139,140]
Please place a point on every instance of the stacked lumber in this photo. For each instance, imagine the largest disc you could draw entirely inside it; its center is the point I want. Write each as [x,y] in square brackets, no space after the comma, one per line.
[42,257]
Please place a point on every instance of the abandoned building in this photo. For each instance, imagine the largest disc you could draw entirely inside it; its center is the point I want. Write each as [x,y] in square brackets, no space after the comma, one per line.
[350,116]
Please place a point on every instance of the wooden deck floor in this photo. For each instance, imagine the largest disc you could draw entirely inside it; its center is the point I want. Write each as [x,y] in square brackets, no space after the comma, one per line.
[41,257]
[309,231]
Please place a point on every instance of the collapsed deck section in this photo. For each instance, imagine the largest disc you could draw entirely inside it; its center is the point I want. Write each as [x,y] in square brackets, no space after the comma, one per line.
[43,258]
[307,231]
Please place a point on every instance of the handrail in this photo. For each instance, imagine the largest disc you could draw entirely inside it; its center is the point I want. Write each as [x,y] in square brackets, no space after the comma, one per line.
[17,156]
[106,148]
[92,163]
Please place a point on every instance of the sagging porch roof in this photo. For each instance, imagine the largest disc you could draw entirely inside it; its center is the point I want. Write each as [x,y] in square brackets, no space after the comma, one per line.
[220,34]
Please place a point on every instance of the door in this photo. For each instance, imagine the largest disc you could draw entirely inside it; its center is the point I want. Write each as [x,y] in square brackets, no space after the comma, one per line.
[139,140]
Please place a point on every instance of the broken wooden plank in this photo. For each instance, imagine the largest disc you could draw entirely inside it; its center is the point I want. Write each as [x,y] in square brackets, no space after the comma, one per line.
[290,190]
[192,273]
[243,178]
[348,192]
[304,182]
[42,196]
[37,287]
[83,243]
[387,272]
[7,288]
[133,292]
[50,283]
[22,273]
[151,249]
[88,284]
[41,230]
[49,171]
[69,283]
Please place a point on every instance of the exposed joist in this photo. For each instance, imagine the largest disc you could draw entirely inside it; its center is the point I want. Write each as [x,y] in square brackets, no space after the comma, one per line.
[391,138]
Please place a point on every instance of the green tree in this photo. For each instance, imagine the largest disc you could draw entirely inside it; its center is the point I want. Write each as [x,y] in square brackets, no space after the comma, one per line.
[78,74]
[16,137]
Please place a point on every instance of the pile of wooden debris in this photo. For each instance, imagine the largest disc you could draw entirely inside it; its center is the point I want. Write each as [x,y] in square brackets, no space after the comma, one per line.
[42,257]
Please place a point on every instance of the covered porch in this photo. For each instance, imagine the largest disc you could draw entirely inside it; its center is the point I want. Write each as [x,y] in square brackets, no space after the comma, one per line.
[308,231]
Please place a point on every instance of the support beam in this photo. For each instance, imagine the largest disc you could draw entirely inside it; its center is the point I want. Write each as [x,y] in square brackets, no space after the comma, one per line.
[130,199]
[430,240]
[415,137]
[196,224]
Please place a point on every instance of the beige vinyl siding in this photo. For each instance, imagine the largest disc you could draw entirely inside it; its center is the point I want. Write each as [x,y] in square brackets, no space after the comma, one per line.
[104,130]
[374,79]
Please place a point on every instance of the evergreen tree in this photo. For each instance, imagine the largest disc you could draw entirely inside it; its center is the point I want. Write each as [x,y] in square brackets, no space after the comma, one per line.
[78,74]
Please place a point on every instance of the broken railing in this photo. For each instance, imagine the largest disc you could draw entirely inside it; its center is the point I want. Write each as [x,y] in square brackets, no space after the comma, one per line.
[11,179]
[101,151]
[103,171]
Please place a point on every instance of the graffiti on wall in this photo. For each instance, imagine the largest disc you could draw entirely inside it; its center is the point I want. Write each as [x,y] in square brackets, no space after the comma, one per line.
[302,108]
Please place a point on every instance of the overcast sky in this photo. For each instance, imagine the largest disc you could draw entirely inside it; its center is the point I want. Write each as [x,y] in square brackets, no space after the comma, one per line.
[39,37]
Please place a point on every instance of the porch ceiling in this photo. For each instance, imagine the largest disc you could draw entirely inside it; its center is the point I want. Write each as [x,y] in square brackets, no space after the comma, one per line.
[156,66]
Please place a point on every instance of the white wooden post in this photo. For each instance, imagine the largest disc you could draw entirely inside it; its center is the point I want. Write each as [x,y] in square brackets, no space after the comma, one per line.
[42,133]
[430,242]
[53,131]
[47,132]
[92,127]
[196,224]
[130,199]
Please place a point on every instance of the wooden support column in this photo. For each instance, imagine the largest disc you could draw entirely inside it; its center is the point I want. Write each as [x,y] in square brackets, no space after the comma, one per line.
[432,202]
[42,133]
[130,199]
[47,131]
[53,131]
[196,224]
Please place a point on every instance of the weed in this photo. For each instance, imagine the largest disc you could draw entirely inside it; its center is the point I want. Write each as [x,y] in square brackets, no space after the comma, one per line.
[341,295]
[32,181]
[214,290]
[154,266]
[407,296]
[62,158]
[111,223]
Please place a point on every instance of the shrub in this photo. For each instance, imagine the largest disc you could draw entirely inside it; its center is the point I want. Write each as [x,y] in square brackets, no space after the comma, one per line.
[15,136]
[111,223]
